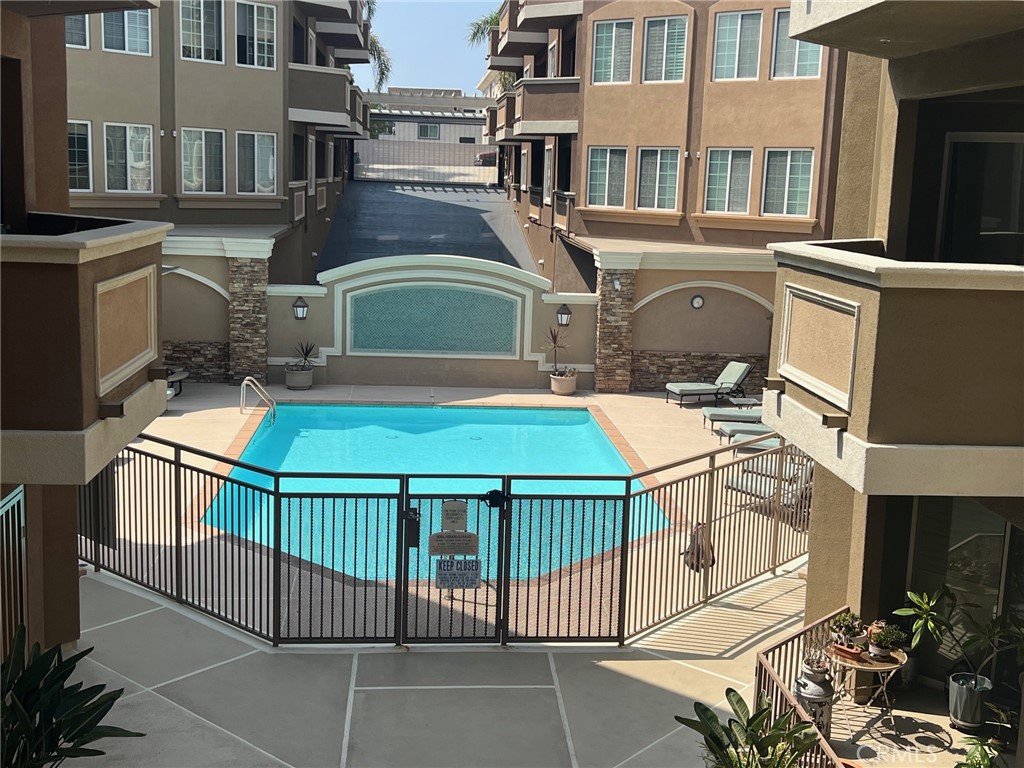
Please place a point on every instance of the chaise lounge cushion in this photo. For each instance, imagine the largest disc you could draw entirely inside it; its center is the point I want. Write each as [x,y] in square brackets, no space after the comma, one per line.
[730,428]
[748,415]
[730,378]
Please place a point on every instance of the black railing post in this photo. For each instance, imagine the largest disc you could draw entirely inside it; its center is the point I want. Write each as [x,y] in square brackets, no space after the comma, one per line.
[179,524]
[781,460]
[276,600]
[401,561]
[624,561]
[505,558]
[709,506]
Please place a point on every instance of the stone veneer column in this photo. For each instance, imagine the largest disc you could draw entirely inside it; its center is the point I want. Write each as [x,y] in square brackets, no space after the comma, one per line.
[614,329]
[247,319]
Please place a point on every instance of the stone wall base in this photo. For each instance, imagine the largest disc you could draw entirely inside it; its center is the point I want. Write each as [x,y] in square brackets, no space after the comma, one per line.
[205,361]
[652,370]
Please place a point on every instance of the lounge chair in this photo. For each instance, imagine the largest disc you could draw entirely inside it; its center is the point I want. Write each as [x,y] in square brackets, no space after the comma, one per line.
[727,383]
[747,415]
[762,445]
[746,431]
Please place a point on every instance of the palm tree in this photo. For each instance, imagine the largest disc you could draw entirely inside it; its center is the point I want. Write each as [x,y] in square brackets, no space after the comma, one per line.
[480,32]
[380,59]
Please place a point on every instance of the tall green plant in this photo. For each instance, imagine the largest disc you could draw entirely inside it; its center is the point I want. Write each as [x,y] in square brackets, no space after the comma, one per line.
[479,33]
[941,615]
[751,739]
[380,58]
[43,720]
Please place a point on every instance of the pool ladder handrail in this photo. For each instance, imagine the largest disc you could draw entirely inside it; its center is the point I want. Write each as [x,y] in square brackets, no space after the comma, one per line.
[265,396]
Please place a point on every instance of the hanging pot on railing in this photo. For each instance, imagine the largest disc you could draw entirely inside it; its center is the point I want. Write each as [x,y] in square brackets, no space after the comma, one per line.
[815,692]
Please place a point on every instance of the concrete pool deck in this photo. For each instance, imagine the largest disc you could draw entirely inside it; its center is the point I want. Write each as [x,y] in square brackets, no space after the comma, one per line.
[207,695]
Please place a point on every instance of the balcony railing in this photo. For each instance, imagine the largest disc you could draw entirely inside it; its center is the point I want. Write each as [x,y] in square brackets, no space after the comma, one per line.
[505,120]
[498,61]
[778,667]
[320,89]
[547,106]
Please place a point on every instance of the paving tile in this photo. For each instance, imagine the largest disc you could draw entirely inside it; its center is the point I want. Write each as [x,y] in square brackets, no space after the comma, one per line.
[618,705]
[498,728]
[102,603]
[89,673]
[160,646]
[174,739]
[431,668]
[290,705]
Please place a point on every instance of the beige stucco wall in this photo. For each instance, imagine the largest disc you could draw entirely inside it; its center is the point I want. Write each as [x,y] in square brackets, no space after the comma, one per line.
[650,280]
[192,311]
[214,268]
[728,322]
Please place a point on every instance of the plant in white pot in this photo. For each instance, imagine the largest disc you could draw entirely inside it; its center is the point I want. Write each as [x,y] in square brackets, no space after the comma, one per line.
[943,617]
[882,642]
[563,381]
[299,374]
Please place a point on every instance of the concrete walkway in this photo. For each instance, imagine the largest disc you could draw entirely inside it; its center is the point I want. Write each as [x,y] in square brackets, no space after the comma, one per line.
[206,695]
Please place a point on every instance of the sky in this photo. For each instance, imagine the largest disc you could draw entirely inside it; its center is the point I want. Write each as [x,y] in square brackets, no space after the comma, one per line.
[427,42]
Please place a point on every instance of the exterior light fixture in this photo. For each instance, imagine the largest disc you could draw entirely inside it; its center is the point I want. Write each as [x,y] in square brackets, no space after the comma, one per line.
[300,308]
[616,283]
[563,315]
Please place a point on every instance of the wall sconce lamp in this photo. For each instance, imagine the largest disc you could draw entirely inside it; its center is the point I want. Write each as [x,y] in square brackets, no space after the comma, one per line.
[617,283]
[563,316]
[300,308]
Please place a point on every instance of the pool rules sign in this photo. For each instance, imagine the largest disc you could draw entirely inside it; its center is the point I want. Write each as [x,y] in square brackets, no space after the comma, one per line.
[452,540]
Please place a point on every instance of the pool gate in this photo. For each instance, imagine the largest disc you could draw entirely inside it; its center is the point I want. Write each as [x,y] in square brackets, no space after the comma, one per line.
[392,558]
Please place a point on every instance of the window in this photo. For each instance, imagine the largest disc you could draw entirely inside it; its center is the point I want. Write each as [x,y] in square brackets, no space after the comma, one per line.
[129,157]
[613,51]
[553,59]
[428,131]
[737,45]
[76,30]
[526,72]
[606,180]
[524,166]
[338,158]
[202,30]
[298,157]
[79,157]
[310,165]
[202,160]
[256,163]
[793,58]
[728,187]
[546,184]
[126,31]
[256,35]
[658,170]
[467,140]
[665,49]
[320,167]
[787,182]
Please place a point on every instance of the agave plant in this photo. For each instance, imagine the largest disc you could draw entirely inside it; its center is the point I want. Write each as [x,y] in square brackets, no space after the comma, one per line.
[304,354]
[751,740]
[43,720]
[555,342]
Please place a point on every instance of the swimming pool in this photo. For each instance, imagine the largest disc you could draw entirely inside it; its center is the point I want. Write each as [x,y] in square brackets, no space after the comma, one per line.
[349,524]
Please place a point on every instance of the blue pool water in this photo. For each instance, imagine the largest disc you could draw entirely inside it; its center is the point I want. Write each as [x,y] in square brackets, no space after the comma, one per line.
[349,524]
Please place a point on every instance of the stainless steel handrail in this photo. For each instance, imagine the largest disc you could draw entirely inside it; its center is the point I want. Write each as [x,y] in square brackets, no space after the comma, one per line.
[265,396]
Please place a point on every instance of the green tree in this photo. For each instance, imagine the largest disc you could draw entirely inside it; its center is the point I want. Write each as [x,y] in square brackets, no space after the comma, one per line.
[479,34]
[380,59]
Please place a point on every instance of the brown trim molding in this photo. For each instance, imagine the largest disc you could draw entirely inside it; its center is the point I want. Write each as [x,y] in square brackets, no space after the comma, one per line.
[624,216]
[127,201]
[754,223]
[254,202]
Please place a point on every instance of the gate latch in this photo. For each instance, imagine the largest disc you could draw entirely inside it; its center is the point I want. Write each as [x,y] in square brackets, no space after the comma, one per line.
[495,499]
[412,528]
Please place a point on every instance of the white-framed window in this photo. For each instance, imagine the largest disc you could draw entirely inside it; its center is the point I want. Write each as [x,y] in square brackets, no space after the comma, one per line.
[202,160]
[553,59]
[310,165]
[549,152]
[202,30]
[728,181]
[331,175]
[737,45]
[606,177]
[613,51]
[527,72]
[256,163]
[428,131]
[79,156]
[128,151]
[255,35]
[792,58]
[787,182]
[126,32]
[524,166]
[657,178]
[665,49]
[76,30]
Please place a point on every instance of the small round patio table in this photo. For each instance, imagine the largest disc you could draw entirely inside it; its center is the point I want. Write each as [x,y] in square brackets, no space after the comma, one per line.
[885,669]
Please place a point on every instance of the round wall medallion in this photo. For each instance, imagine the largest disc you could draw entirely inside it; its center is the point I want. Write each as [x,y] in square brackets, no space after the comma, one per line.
[697,302]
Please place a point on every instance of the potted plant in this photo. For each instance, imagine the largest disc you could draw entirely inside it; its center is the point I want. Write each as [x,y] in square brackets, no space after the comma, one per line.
[299,374]
[563,382]
[943,617]
[881,643]
[848,635]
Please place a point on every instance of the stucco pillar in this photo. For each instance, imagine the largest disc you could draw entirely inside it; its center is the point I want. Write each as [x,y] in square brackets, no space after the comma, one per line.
[247,319]
[51,564]
[616,289]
